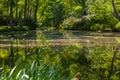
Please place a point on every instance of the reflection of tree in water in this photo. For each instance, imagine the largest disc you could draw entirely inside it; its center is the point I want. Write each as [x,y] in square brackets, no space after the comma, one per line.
[22,45]
[19,34]
[12,41]
[26,44]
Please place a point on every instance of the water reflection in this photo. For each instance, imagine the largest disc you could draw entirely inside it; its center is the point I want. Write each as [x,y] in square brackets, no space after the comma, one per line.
[16,46]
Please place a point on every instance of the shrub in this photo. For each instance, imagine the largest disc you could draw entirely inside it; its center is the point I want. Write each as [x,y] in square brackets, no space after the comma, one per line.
[28,22]
[97,27]
[57,14]
[4,20]
[99,23]
[14,28]
[69,23]
[117,26]
[93,24]
[112,21]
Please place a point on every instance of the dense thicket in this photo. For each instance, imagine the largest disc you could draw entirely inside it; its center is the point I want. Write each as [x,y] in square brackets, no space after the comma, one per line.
[65,14]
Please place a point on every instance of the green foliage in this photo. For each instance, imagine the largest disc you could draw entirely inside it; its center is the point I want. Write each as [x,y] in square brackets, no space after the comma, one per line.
[6,53]
[117,26]
[57,14]
[13,28]
[4,20]
[61,63]
[70,23]
[95,23]
[28,22]
[97,27]
[65,14]
[102,15]
[32,71]
[111,22]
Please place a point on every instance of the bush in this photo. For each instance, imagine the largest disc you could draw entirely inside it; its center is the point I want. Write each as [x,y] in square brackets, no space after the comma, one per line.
[99,23]
[28,22]
[112,21]
[97,27]
[14,28]
[4,20]
[57,14]
[117,26]
[92,24]
[69,23]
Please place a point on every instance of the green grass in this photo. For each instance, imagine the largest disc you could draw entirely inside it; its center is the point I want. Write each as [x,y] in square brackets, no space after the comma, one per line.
[33,71]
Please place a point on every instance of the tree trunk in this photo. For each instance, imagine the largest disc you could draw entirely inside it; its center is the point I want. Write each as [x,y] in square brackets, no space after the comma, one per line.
[11,12]
[28,9]
[115,10]
[30,14]
[112,63]
[25,9]
[36,9]
[16,12]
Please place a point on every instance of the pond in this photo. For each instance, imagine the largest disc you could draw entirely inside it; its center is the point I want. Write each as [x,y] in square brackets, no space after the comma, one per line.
[60,37]
[58,55]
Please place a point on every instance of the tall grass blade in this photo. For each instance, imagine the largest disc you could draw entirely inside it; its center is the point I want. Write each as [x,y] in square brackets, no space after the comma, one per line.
[11,72]
[18,75]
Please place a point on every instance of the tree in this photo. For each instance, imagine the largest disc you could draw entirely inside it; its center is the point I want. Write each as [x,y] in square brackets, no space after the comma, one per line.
[82,3]
[11,12]
[115,10]
[57,14]
[36,9]
[16,11]
[25,9]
